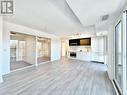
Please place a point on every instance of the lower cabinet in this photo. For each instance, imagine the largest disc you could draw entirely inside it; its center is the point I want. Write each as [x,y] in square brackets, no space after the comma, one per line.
[97,56]
[84,56]
[88,56]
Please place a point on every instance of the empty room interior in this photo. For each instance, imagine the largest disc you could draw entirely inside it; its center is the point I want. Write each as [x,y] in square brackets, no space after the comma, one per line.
[63,47]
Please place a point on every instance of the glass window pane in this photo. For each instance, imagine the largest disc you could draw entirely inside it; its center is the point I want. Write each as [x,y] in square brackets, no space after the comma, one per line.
[118,55]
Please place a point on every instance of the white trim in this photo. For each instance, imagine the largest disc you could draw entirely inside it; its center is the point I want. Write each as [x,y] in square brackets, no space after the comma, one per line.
[44,63]
[124,54]
[30,66]
[1,48]
[124,46]
[117,93]
[22,68]
[36,55]
[121,91]
[114,73]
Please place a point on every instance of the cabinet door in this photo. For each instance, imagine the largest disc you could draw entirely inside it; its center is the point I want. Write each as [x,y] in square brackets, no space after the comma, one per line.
[101,44]
[95,56]
[74,42]
[94,44]
[84,56]
[97,45]
[101,49]
[101,57]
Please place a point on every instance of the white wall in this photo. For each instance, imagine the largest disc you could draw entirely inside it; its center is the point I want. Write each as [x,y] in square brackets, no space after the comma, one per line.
[55,49]
[1,48]
[55,42]
[110,51]
[111,46]
[111,54]
[6,50]
[63,48]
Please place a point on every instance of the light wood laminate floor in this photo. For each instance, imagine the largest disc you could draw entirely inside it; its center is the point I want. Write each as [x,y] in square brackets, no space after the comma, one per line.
[42,59]
[19,64]
[64,77]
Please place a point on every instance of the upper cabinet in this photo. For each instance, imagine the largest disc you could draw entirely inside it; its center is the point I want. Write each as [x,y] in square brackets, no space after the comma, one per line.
[80,42]
[74,42]
[97,44]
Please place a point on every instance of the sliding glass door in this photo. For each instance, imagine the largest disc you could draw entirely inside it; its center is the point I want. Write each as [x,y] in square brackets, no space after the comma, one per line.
[17,50]
[120,55]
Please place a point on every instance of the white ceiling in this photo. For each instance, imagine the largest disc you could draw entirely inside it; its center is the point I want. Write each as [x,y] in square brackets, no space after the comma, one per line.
[90,11]
[62,17]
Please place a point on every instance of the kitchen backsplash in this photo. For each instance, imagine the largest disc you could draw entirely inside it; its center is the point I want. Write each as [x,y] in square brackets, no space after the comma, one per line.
[80,48]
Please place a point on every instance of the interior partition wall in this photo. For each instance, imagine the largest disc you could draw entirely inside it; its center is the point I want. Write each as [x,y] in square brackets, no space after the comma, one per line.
[22,50]
[17,50]
[120,64]
[43,50]
[27,50]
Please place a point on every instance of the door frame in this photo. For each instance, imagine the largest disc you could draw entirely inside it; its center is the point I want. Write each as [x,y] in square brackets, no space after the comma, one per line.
[123,19]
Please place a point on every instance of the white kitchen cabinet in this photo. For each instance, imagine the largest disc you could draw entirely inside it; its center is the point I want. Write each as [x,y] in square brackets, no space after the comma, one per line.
[86,56]
[94,44]
[94,56]
[101,47]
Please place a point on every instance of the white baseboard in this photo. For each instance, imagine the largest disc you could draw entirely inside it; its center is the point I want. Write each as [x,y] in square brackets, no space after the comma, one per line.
[44,63]
[30,66]
[111,79]
[22,68]
[115,87]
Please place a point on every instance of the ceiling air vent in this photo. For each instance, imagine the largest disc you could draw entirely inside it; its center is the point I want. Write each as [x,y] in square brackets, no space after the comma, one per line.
[105,17]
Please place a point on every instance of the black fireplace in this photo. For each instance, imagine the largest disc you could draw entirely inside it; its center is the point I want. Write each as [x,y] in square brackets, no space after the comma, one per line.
[73,54]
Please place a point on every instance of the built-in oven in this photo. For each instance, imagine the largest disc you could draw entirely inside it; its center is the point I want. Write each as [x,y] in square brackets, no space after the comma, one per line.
[73,54]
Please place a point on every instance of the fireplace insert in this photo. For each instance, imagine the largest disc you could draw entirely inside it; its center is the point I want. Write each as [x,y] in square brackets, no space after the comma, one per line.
[73,54]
